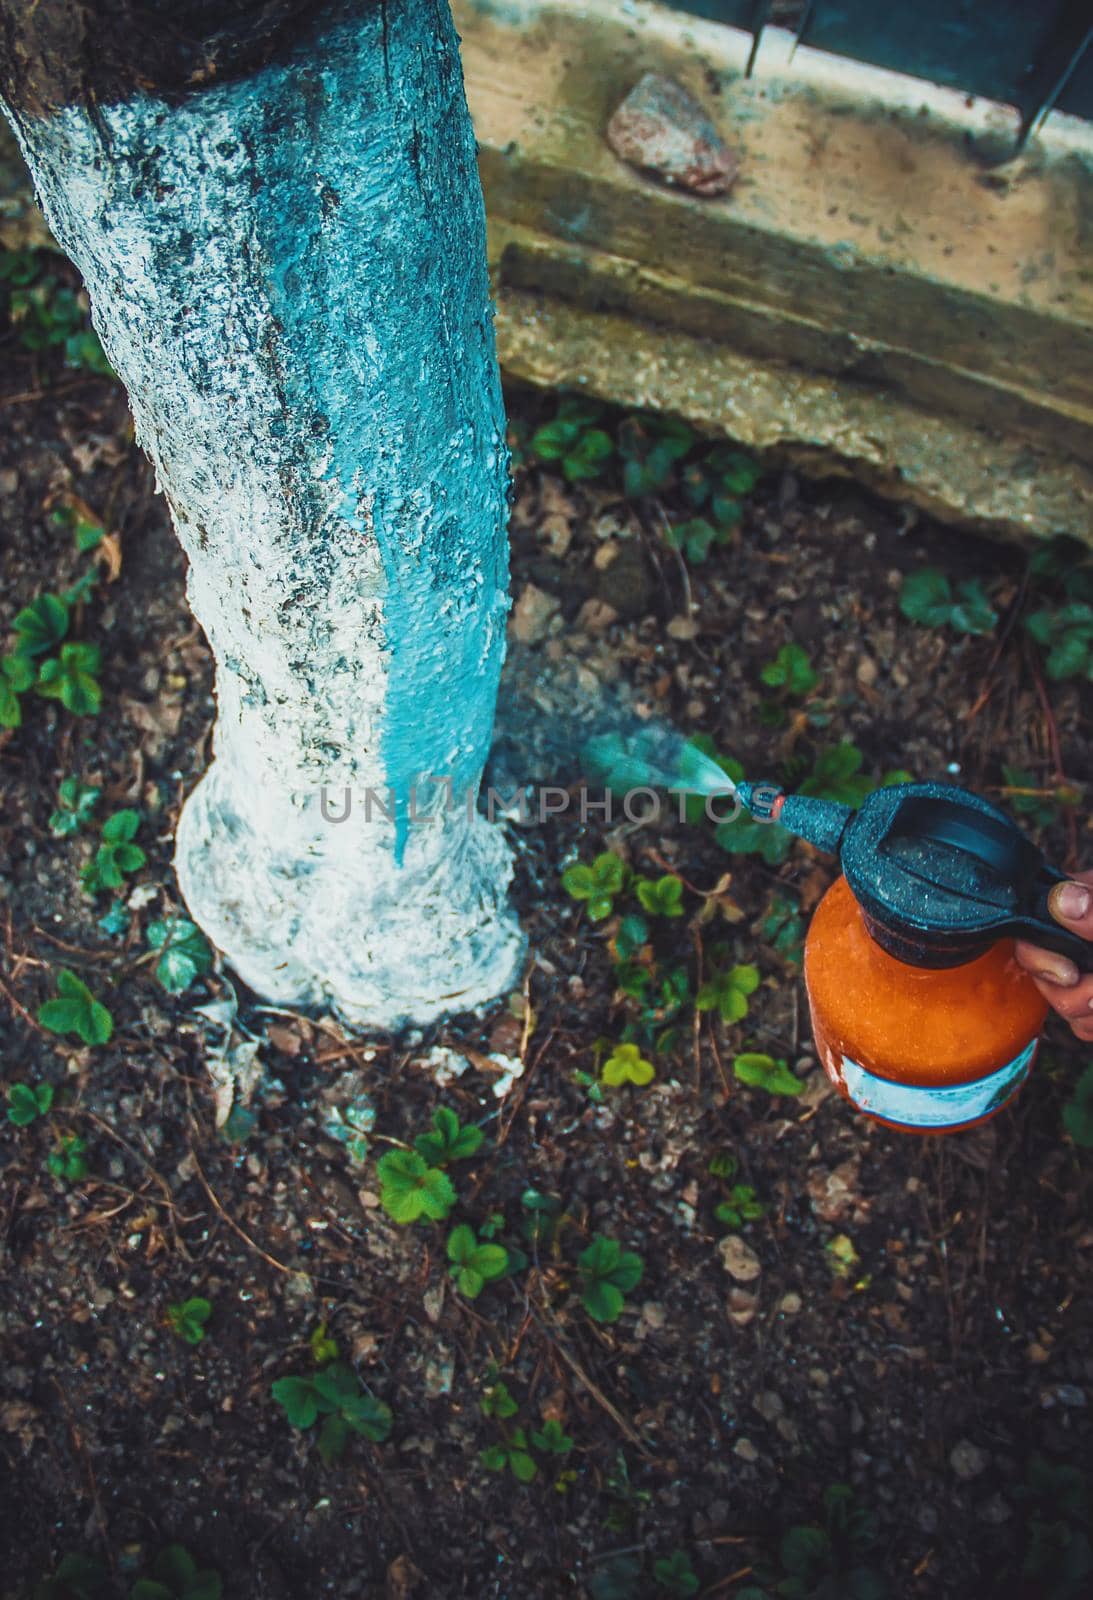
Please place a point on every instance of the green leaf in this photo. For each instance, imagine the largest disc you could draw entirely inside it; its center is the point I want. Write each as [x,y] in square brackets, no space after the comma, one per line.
[18,672]
[189,1317]
[1068,657]
[728,992]
[149,1589]
[836,776]
[764,1072]
[522,1465]
[175,1567]
[926,597]
[121,826]
[76,1012]
[369,1417]
[448,1141]
[461,1244]
[469,1282]
[71,679]
[790,670]
[75,803]
[607,1273]
[602,1301]
[495,1458]
[412,1189]
[498,1401]
[474,1264]
[26,1103]
[186,953]
[973,612]
[1077,1112]
[661,897]
[805,1552]
[552,1439]
[745,836]
[676,1574]
[586,459]
[633,933]
[41,626]
[333,1437]
[625,1064]
[617,1578]
[694,538]
[116,921]
[298,1399]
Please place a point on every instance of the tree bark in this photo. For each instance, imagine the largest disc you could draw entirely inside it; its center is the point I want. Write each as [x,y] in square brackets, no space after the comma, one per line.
[288,270]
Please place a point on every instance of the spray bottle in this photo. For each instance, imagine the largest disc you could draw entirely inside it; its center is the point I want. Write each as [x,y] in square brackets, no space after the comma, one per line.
[921,1016]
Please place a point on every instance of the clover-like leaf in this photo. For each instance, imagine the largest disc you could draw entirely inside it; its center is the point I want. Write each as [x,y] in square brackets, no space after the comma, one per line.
[675,1574]
[69,1160]
[552,1438]
[448,1141]
[76,1011]
[27,1102]
[626,1064]
[75,803]
[791,670]
[187,1318]
[728,992]
[597,884]
[72,678]
[298,1400]
[661,897]
[117,855]
[474,1264]
[411,1188]
[41,626]
[765,1072]
[185,953]
[607,1273]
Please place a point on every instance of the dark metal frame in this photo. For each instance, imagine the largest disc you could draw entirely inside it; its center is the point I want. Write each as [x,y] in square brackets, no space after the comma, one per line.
[1035,55]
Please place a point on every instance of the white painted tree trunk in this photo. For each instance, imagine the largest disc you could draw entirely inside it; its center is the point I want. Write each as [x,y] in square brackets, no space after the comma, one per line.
[289,273]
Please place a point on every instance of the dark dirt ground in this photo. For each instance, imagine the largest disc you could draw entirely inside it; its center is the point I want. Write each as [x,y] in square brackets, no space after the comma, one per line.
[927,1378]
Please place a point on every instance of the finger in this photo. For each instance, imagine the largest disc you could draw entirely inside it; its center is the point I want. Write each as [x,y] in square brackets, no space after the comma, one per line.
[1075,1004]
[1046,964]
[1083,1029]
[1071,903]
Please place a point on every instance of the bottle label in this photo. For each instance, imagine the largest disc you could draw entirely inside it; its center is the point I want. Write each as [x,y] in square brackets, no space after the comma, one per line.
[948,1106]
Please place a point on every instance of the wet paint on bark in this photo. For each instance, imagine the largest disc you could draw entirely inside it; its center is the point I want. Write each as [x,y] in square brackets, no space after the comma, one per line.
[289,273]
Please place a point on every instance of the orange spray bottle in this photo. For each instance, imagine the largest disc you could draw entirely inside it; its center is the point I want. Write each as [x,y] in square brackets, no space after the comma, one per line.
[921,1017]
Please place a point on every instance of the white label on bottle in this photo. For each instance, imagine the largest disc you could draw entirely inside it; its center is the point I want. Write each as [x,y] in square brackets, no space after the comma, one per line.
[948,1106]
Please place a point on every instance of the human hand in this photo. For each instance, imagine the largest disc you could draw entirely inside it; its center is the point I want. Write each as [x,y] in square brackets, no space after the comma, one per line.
[1064,988]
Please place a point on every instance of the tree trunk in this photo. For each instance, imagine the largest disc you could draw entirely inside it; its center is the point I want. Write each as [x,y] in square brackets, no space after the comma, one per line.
[288,270]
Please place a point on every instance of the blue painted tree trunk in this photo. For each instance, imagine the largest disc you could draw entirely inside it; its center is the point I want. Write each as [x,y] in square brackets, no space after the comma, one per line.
[289,273]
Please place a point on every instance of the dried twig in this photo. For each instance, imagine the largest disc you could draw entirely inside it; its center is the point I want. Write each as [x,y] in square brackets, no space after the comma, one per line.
[290,1272]
[552,1332]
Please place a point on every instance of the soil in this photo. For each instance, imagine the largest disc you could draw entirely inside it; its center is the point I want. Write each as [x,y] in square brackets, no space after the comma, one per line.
[909,1316]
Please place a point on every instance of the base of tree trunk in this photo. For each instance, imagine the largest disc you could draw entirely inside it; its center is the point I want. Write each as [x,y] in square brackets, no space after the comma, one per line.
[313,912]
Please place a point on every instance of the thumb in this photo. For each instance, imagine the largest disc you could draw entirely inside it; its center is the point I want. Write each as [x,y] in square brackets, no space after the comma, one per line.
[1071,903]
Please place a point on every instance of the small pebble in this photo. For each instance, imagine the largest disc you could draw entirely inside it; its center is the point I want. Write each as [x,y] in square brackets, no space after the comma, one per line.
[968,1460]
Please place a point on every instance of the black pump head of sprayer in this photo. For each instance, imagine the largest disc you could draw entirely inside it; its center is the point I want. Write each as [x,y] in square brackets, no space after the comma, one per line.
[939,873]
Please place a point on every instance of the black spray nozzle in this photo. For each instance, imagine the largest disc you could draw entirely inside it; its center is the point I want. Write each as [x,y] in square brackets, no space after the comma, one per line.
[821,822]
[940,874]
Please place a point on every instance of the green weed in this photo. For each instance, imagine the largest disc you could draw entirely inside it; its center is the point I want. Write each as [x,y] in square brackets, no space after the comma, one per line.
[607,1273]
[187,1318]
[27,1102]
[337,1395]
[76,1011]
